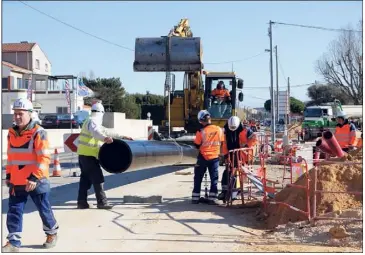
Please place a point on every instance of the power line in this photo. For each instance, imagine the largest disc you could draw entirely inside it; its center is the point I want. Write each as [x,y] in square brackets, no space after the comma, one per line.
[234,61]
[78,29]
[316,27]
[115,44]
[292,86]
[256,97]
[281,69]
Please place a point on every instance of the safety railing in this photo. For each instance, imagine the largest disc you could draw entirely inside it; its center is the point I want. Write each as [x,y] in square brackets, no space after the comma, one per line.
[240,163]
[316,191]
[305,187]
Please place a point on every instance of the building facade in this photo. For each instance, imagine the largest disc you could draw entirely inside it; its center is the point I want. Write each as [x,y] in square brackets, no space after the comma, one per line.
[25,64]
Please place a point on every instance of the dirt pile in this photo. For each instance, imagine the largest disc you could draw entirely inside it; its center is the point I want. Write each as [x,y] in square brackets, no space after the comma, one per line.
[334,177]
[294,130]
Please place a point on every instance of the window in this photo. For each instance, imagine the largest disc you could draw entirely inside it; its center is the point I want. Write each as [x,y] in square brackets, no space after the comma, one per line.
[46,67]
[40,85]
[61,110]
[21,84]
[37,65]
[4,83]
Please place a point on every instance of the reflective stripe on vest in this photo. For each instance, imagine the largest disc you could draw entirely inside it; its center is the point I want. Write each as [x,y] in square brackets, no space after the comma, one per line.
[88,145]
[344,136]
[206,143]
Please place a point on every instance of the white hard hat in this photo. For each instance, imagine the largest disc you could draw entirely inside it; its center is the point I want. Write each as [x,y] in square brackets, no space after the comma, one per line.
[203,114]
[341,114]
[233,123]
[23,104]
[98,107]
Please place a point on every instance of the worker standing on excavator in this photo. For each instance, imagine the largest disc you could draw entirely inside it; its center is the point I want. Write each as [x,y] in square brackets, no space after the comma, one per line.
[237,136]
[345,133]
[209,141]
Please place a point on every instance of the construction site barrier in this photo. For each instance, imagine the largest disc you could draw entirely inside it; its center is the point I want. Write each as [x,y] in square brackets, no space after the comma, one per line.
[240,163]
[316,191]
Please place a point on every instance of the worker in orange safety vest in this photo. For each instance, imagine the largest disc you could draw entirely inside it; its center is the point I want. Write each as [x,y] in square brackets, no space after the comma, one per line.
[209,141]
[345,133]
[220,92]
[237,135]
[27,173]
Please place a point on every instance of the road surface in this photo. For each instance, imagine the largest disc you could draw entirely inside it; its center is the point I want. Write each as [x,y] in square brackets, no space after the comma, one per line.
[175,225]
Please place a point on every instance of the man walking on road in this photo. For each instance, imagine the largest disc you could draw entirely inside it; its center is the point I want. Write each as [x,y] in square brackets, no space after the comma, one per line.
[27,173]
[209,141]
[90,141]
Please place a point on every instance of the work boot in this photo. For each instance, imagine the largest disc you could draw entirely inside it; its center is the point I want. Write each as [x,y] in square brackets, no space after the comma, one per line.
[83,206]
[213,202]
[50,241]
[105,206]
[8,247]
[222,195]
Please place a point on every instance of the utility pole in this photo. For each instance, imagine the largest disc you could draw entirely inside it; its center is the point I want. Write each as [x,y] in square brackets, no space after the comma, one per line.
[289,96]
[277,84]
[273,135]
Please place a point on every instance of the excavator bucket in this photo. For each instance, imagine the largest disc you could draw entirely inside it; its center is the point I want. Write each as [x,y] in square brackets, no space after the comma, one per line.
[163,54]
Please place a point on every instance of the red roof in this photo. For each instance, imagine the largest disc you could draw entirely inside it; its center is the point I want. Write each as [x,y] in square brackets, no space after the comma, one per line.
[15,67]
[17,47]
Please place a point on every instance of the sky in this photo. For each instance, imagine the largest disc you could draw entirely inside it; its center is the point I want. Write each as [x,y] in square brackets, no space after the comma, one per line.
[229,31]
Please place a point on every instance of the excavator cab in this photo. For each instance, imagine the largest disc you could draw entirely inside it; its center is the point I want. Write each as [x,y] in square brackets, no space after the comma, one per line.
[223,104]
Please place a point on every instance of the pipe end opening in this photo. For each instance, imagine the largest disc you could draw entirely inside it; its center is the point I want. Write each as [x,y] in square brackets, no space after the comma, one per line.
[115,157]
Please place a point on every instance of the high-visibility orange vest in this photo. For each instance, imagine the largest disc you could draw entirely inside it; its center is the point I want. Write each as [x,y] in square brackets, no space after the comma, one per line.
[209,138]
[244,140]
[346,135]
[221,93]
[359,143]
[28,154]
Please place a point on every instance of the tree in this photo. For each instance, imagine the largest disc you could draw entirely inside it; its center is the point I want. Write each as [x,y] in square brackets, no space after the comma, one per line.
[128,105]
[267,105]
[109,90]
[341,66]
[320,94]
[296,106]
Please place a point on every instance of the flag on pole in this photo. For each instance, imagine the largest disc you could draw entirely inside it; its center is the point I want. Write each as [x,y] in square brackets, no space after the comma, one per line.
[67,89]
[29,91]
[84,91]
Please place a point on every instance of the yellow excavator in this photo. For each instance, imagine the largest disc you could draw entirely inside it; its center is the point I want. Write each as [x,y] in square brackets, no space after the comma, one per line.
[179,51]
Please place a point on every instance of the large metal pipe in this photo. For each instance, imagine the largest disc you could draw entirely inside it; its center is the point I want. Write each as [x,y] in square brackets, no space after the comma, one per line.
[181,54]
[323,146]
[121,156]
[333,144]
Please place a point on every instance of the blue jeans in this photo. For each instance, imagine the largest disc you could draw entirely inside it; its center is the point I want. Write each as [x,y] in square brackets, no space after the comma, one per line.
[14,219]
[199,171]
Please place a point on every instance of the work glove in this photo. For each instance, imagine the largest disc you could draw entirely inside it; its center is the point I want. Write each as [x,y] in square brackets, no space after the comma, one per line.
[352,148]
[108,140]
[31,185]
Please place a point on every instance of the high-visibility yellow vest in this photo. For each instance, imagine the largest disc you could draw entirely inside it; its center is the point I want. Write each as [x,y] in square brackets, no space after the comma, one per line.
[88,145]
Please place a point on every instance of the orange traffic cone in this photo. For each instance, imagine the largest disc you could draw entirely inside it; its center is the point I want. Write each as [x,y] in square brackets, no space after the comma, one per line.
[56,165]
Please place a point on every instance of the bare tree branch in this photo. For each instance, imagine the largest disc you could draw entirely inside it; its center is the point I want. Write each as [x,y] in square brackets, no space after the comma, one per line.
[341,66]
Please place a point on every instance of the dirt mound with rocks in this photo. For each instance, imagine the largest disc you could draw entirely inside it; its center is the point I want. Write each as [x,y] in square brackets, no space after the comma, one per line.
[332,177]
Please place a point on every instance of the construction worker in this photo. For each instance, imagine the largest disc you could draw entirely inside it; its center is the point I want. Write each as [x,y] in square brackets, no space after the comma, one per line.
[209,141]
[90,141]
[237,136]
[345,133]
[220,93]
[27,173]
